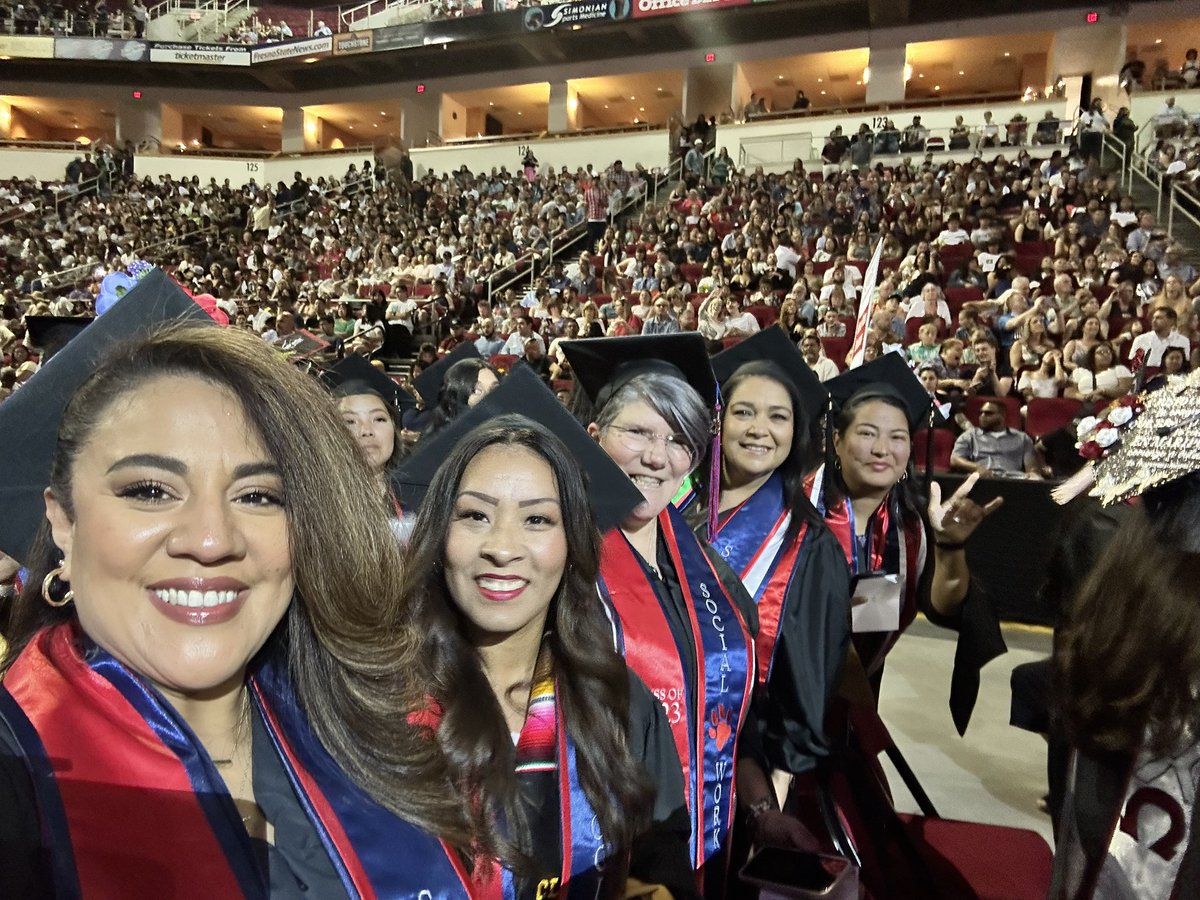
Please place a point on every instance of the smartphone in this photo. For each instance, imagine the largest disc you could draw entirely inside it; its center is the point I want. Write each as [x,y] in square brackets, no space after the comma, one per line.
[799,873]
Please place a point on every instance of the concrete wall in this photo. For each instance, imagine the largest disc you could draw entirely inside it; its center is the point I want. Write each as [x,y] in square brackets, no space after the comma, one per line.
[51,165]
[650,148]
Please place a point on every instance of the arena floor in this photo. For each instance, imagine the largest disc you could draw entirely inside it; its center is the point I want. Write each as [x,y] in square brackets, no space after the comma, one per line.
[996,773]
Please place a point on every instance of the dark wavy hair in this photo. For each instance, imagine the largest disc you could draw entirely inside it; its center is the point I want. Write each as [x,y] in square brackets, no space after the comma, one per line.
[1127,662]
[456,391]
[349,648]
[592,679]
[800,460]
[905,494]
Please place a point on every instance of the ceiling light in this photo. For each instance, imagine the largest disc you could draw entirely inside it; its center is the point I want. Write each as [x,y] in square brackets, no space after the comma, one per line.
[633,98]
[490,103]
[641,109]
[351,127]
[921,75]
[859,83]
[822,93]
[311,59]
[818,81]
[962,73]
[376,125]
[937,87]
[576,27]
[606,106]
[519,113]
[1158,40]
[1006,53]
[780,77]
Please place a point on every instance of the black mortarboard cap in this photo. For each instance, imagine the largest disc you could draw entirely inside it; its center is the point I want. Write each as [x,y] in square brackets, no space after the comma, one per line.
[34,412]
[774,345]
[890,375]
[611,494]
[603,364]
[49,334]
[355,375]
[429,382]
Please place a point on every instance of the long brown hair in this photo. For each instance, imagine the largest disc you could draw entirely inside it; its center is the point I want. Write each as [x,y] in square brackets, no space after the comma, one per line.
[592,680]
[348,646]
[1128,660]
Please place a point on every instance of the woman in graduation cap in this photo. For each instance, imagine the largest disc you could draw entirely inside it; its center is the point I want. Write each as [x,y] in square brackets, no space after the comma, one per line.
[791,564]
[369,403]
[566,755]
[189,705]
[686,622]
[905,556]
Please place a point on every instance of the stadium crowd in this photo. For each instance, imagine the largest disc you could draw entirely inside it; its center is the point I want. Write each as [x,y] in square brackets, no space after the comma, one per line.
[1019,277]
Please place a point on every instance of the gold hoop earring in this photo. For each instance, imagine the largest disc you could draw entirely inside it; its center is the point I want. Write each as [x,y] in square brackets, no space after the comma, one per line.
[48,587]
[903,477]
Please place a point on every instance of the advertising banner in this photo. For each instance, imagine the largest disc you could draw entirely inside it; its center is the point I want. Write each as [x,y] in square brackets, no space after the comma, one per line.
[353,42]
[292,49]
[106,49]
[399,37]
[537,18]
[26,46]
[643,8]
[200,54]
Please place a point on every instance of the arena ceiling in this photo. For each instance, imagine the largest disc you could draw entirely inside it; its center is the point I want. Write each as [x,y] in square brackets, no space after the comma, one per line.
[745,24]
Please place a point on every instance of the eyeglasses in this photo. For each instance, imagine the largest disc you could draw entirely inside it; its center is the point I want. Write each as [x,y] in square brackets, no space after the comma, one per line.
[638,440]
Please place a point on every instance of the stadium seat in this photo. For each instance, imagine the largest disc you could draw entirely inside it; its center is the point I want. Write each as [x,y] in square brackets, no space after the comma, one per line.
[692,272]
[836,349]
[1046,414]
[765,315]
[943,443]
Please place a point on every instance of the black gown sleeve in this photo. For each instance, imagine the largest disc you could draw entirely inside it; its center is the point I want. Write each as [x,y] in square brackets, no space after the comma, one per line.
[660,855]
[24,863]
[979,637]
[810,651]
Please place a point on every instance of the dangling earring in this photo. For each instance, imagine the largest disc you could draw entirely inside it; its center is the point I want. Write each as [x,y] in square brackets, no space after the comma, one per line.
[837,462]
[904,476]
[48,589]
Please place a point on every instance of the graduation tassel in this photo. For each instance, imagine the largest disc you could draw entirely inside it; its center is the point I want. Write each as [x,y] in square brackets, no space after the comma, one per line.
[714,471]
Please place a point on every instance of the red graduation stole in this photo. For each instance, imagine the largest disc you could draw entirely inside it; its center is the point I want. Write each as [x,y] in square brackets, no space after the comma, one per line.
[705,716]
[128,797]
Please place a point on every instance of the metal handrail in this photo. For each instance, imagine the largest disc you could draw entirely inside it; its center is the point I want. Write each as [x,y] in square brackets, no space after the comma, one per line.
[67,277]
[527,136]
[287,209]
[61,195]
[1174,204]
[850,109]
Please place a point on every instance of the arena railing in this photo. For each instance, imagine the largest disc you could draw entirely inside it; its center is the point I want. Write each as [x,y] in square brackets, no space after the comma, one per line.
[285,210]
[1183,213]
[66,278]
[204,15]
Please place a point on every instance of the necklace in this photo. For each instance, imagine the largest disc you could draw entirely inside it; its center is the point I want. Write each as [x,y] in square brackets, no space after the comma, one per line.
[239,730]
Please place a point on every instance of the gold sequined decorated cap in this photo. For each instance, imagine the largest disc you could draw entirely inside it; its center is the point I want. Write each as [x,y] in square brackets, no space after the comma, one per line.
[1158,446]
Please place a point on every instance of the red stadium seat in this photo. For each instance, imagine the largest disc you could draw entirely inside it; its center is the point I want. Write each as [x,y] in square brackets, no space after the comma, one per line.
[836,349]
[1012,404]
[912,326]
[943,443]
[1046,414]
[726,343]
[692,272]
[766,315]
[422,289]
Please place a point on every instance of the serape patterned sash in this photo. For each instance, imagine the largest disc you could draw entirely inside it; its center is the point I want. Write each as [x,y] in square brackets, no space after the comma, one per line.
[127,796]
[705,715]
[751,539]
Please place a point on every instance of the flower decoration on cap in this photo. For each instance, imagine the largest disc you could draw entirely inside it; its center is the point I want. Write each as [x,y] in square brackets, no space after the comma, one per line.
[1099,436]
[117,284]
[1140,442]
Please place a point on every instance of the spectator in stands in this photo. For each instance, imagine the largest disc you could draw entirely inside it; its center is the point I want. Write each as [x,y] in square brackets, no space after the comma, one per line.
[661,320]
[913,140]
[831,324]
[931,304]
[534,357]
[802,102]
[693,163]
[322,30]
[739,323]
[991,377]
[1101,378]
[1047,380]
[1032,343]
[834,150]
[953,233]
[1092,330]
[989,132]
[1163,334]
[515,345]
[140,15]
[926,350]
[992,448]
[814,356]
